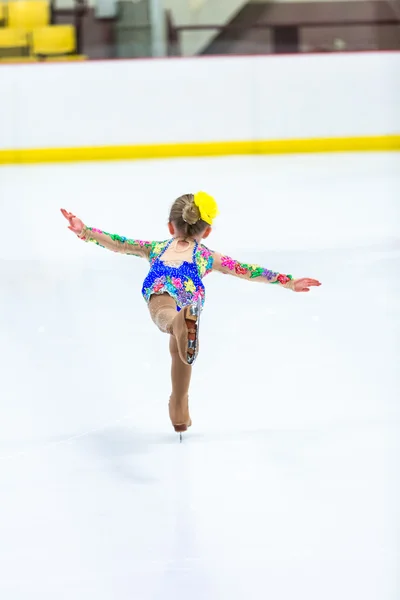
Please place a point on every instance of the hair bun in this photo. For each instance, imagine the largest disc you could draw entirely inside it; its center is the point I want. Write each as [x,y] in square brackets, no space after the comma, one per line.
[190,213]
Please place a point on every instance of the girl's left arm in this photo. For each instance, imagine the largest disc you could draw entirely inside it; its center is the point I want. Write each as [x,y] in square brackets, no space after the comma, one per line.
[230,266]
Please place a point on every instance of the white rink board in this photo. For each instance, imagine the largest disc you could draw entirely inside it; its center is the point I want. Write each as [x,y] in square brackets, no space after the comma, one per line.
[201,99]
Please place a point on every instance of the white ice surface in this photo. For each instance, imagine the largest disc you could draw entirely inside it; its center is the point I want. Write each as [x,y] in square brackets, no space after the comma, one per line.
[287,486]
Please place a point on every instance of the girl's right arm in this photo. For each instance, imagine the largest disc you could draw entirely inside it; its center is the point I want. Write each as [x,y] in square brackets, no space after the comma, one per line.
[113,242]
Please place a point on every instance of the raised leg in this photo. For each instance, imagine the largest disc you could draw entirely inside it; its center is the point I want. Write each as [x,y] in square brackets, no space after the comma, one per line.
[163,311]
[181,325]
[185,329]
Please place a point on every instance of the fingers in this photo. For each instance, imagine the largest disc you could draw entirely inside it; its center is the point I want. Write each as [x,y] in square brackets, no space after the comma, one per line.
[312,282]
[67,214]
[306,282]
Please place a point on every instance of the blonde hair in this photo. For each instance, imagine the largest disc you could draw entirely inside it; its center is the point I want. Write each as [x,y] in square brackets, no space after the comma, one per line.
[185,215]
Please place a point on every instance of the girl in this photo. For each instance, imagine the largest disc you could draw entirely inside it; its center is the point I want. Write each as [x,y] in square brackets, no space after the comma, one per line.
[174,282]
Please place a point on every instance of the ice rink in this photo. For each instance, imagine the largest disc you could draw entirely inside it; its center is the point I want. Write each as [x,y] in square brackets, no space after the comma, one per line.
[287,485]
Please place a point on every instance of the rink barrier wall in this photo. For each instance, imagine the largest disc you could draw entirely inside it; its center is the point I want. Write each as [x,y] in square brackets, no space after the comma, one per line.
[387,143]
[194,107]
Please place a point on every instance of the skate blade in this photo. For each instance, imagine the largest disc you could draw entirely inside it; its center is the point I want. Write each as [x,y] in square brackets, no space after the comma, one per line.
[181,429]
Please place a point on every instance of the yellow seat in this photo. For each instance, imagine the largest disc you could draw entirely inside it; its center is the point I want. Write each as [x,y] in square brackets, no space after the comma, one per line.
[69,58]
[18,59]
[13,38]
[28,14]
[54,40]
[13,42]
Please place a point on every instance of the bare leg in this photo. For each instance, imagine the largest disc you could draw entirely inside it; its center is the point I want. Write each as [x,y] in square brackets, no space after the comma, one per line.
[163,311]
[180,378]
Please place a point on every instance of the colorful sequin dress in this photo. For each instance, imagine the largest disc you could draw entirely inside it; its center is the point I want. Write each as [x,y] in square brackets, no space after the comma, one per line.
[182,280]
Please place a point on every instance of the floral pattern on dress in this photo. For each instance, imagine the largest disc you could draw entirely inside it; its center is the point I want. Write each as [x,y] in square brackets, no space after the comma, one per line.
[156,249]
[228,262]
[189,286]
[283,279]
[204,260]
[183,283]
[183,292]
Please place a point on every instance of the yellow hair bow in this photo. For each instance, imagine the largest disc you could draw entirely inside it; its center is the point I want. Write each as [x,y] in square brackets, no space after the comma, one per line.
[207,206]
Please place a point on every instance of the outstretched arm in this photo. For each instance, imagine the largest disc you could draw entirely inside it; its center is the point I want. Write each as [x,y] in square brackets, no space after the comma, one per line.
[229,266]
[113,242]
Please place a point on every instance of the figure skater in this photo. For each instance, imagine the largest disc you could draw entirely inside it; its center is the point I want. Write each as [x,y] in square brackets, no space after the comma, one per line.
[173,288]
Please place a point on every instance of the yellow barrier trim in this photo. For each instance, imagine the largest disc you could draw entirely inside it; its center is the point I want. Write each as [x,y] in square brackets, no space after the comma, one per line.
[198,149]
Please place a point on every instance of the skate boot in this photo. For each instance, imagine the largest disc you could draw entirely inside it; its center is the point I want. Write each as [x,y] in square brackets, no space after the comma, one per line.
[185,329]
[179,414]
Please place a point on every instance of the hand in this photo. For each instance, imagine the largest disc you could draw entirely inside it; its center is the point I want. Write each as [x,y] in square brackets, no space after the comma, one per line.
[75,224]
[303,285]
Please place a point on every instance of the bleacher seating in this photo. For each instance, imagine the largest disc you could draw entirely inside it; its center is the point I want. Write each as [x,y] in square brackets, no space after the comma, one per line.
[27,35]
[28,14]
[13,42]
[54,40]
